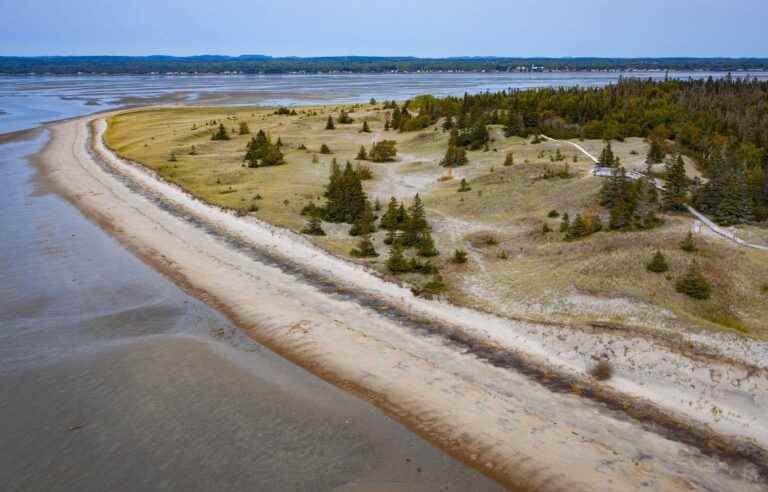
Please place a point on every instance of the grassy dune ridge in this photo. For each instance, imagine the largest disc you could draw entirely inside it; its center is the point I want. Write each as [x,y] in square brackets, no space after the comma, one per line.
[520,271]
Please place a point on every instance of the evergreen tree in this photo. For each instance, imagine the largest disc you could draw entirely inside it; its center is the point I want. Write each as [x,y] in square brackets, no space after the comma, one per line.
[221,133]
[646,205]
[314,227]
[675,192]
[244,130]
[688,244]
[607,158]
[324,149]
[383,151]
[464,186]
[365,248]
[577,229]
[658,263]
[397,263]
[426,245]
[725,197]
[416,223]
[693,284]
[389,219]
[402,216]
[365,224]
[565,223]
[366,128]
[344,118]
[509,160]
[454,157]
[362,155]
[329,125]
[655,153]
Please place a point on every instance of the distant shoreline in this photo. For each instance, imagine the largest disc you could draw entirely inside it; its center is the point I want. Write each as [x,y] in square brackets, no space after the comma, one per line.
[266,65]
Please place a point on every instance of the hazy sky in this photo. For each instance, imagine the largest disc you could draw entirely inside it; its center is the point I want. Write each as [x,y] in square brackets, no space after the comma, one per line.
[390,27]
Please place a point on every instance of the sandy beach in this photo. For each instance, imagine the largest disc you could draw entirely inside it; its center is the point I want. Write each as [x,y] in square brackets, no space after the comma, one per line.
[418,360]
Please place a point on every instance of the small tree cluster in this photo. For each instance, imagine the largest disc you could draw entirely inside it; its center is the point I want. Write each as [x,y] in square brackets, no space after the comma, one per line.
[383,151]
[633,204]
[220,133]
[261,152]
[344,118]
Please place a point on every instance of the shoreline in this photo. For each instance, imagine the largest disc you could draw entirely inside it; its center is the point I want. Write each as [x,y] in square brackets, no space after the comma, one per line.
[313,353]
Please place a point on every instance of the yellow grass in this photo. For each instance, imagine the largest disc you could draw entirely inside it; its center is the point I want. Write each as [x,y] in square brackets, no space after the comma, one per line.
[508,203]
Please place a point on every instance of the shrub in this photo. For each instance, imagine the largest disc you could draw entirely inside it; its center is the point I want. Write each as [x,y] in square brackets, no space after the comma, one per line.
[329,125]
[459,257]
[464,186]
[688,244]
[509,160]
[324,149]
[693,284]
[244,130]
[553,214]
[658,263]
[383,151]
[602,371]
[220,134]
[314,227]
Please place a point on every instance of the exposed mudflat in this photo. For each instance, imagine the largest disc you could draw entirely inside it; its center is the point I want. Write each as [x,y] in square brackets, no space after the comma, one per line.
[113,378]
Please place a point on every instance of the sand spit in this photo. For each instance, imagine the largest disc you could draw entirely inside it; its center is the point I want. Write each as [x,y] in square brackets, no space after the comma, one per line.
[355,329]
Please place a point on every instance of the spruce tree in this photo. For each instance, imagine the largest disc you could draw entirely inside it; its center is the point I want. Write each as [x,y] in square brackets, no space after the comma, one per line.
[454,157]
[365,248]
[389,219]
[366,128]
[509,160]
[464,186]
[658,263]
[577,229]
[565,223]
[688,243]
[426,245]
[675,192]
[365,224]
[221,133]
[244,130]
[607,158]
[448,123]
[329,125]
[362,155]
[324,149]
[416,224]
[655,153]
[397,263]
[693,284]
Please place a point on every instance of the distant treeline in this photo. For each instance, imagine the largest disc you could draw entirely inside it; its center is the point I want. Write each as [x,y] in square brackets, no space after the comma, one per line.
[261,64]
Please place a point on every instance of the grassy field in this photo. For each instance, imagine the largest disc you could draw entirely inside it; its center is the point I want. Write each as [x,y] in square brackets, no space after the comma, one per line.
[514,268]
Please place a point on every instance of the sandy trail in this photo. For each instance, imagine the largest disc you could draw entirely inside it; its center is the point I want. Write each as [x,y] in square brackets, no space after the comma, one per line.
[406,355]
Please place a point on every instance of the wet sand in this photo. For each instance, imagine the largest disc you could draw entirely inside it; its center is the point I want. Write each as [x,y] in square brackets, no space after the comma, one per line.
[113,378]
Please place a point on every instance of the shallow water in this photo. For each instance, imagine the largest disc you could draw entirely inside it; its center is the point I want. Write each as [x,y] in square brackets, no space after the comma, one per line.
[112,378]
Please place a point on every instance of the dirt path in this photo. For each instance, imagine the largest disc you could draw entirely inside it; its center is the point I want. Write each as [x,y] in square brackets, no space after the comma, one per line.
[463,379]
[719,231]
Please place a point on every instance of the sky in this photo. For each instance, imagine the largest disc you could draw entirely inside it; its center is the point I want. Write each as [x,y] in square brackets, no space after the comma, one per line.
[427,28]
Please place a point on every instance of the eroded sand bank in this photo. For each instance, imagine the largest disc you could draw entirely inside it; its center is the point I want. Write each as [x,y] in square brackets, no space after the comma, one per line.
[360,332]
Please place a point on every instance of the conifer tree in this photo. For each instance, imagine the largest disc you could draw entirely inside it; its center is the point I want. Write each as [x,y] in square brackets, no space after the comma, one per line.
[426,245]
[244,130]
[459,257]
[454,157]
[655,153]
[365,224]
[607,158]
[362,155]
[565,223]
[329,125]
[416,224]
[464,186]
[221,133]
[365,248]
[577,229]
[397,263]
[693,284]
[688,244]
[366,128]
[402,216]
[676,187]
[448,123]
[658,263]
[509,160]
[389,219]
